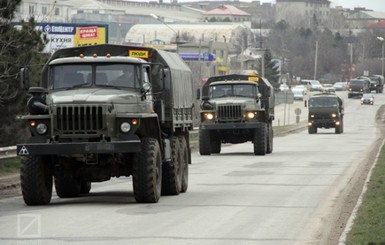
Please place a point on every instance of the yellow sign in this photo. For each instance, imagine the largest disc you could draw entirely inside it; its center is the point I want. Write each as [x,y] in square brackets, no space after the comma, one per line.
[138,53]
[89,35]
[254,79]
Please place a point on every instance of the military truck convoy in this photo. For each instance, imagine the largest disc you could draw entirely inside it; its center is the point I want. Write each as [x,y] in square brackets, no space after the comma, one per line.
[236,109]
[358,86]
[87,128]
[325,111]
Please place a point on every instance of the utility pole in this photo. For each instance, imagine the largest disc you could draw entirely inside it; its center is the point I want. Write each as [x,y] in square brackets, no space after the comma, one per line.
[315,60]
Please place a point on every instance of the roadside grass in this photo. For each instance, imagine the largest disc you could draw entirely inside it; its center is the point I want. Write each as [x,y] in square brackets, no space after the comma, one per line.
[369,225]
[9,166]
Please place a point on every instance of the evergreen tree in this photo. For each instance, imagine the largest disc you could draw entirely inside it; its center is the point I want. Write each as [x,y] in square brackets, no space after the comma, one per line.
[272,72]
[19,47]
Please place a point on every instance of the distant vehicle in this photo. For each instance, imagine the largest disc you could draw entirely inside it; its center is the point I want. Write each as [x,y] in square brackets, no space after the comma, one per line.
[302,87]
[283,87]
[236,108]
[328,88]
[377,83]
[340,86]
[298,92]
[367,99]
[313,85]
[325,111]
[358,86]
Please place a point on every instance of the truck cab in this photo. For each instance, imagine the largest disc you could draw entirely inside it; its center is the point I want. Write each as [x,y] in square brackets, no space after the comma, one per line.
[236,109]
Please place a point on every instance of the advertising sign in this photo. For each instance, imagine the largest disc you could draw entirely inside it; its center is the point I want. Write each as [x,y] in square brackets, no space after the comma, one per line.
[63,35]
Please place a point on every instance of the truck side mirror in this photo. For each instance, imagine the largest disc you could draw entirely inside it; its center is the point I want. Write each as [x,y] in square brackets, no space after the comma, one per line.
[205,97]
[24,78]
[198,94]
[305,103]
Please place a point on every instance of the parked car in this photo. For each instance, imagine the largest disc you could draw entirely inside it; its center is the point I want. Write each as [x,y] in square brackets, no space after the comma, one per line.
[283,87]
[367,99]
[298,92]
[303,87]
[328,88]
[313,85]
[340,86]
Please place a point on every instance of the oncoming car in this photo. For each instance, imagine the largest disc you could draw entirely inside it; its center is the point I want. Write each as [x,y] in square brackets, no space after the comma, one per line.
[367,99]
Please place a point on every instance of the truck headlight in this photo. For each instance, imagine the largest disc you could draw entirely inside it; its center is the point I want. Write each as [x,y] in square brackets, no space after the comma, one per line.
[311,116]
[209,116]
[250,115]
[41,128]
[334,115]
[125,127]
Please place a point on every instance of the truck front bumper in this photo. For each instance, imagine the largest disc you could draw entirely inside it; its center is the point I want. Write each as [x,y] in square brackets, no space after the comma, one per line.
[227,126]
[69,148]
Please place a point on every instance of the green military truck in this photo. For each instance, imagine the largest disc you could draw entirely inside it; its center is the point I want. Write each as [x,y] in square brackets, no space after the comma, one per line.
[325,111]
[235,109]
[87,128]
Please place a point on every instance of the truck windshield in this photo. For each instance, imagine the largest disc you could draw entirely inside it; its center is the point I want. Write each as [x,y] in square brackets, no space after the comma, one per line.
[233,90]
[323,102]
[356,83]
[79,75]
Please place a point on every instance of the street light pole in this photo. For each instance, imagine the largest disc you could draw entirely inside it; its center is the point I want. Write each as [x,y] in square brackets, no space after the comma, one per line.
[382,54]
[169,27]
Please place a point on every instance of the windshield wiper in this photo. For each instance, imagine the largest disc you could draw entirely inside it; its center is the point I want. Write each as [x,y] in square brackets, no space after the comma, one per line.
[78,86]
[109,86]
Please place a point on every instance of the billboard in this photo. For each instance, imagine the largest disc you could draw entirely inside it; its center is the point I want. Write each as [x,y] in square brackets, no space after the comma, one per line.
[63,35]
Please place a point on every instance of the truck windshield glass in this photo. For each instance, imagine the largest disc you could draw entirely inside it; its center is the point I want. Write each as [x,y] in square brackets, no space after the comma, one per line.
[323,102]
[118,75]
[114,75]
[233,90]
[67,76]
[356,82]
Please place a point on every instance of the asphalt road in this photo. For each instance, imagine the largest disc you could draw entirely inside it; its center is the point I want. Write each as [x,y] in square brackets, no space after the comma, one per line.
[287,197]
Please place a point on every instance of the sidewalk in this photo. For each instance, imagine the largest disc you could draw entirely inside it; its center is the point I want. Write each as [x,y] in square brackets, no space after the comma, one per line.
[285,114]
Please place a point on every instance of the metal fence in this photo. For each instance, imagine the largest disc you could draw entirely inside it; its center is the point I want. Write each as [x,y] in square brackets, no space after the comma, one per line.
[7,152]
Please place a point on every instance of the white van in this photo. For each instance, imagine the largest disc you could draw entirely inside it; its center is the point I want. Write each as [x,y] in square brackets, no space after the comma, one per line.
[312,85]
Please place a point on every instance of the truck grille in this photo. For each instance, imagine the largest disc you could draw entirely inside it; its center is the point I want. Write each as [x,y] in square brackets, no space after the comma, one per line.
[229,112]
[79,119]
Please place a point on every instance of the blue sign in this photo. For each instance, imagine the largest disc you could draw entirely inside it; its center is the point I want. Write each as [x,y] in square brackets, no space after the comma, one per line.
[195,56]
[59,29]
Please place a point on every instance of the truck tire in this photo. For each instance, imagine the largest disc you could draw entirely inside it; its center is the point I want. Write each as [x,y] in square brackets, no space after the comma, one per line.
[204,142]
[184,163]
[67,186]
[85,187]
[216,145]
[312,130]
[172,171]
[36,180]
[340,128]
[270,135]
[260,139]
[147,172]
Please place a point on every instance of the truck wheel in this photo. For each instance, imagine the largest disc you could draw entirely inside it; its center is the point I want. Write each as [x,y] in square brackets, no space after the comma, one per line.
[260,141]
[312,130]
[216,145]
[36,180]
[67,186]
[85,187]
[147,172]
[270,135]
[172,171]
[204,142]
[184,163]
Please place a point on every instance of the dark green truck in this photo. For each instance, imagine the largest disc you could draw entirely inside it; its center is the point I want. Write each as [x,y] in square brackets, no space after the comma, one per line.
[235,109]
[325,111]
[86,128]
